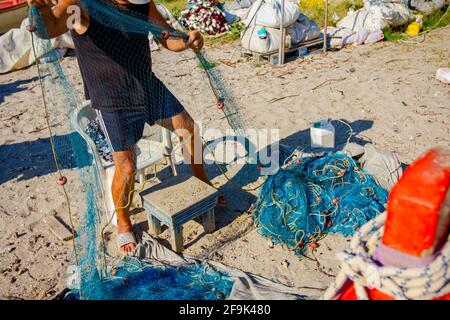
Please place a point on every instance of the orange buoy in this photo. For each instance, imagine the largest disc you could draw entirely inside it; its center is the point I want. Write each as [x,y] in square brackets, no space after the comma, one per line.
[418,219]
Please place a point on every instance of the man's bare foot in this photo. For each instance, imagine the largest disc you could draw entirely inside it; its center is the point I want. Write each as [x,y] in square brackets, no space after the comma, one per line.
[129,247]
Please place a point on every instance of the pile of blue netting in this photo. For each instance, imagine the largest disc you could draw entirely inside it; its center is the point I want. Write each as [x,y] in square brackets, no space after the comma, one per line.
[136,280]
[313,196]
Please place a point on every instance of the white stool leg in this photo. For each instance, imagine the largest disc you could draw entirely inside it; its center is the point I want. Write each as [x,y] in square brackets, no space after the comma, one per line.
[168,149]
[154,225]
[177,239]
[209,221]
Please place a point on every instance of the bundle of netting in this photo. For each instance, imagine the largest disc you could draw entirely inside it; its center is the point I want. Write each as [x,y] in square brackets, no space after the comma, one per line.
[206,16]
[137,280]
[312,196]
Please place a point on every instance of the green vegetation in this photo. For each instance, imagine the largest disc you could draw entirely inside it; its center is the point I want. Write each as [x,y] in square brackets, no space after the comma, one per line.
[437,19]
[393,35]
[236,29]
[175,6]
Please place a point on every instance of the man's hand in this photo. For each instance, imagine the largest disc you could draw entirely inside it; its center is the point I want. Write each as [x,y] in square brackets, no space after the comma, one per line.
[58,19]
[195,41]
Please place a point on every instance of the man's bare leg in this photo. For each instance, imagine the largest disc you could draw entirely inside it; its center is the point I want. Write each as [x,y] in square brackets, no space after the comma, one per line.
[187,130]
[122,184]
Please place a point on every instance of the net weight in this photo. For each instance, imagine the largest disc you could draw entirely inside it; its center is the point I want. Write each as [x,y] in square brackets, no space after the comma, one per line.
[236,309]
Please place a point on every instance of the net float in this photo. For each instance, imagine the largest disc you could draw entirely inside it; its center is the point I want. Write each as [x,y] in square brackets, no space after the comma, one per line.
[165,34]
[313,245]
[61,180]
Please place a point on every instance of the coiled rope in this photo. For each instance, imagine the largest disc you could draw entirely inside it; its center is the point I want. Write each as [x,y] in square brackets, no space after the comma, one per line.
[401,283]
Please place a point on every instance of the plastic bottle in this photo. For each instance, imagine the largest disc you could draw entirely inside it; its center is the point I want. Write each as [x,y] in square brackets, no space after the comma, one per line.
[413,28]
[322,134]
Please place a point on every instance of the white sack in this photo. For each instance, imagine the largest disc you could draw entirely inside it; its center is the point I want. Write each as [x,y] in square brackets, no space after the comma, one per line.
[340,37]
[251,41]
[374,36]
[16,50]
[382,164]
[377,17]
[304,29]
[268,13]
[426,6]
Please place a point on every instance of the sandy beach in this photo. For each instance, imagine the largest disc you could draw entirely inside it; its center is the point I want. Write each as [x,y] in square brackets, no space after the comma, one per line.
[386,91]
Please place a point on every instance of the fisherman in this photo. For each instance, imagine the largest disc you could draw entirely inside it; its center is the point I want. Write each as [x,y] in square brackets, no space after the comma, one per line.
[116,69]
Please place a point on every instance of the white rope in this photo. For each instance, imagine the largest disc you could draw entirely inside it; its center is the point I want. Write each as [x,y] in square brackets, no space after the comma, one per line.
[402,283]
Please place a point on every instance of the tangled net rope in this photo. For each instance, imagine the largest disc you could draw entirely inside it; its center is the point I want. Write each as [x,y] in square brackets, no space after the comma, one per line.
[133,279]
[313,196]
[402,283]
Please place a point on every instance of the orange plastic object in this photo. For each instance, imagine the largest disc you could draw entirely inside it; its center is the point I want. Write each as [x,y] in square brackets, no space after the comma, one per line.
[414,204]
[418,221]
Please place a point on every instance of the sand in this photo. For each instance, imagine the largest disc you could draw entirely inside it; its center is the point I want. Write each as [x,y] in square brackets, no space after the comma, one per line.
[386,91]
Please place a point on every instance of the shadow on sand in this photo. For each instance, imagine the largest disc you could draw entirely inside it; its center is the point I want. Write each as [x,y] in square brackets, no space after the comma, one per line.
[11,88]
[29,159]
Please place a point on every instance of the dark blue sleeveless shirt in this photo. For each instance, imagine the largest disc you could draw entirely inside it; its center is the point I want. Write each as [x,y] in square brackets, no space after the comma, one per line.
[115,65]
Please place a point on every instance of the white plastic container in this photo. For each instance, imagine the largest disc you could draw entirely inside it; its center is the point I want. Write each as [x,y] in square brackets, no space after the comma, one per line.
[322,134]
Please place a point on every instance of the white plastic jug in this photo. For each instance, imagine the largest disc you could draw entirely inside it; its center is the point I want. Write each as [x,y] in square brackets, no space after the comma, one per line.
[322,134]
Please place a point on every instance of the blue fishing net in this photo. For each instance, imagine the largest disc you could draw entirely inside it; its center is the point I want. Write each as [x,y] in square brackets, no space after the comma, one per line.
[136,280]
[313,196]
